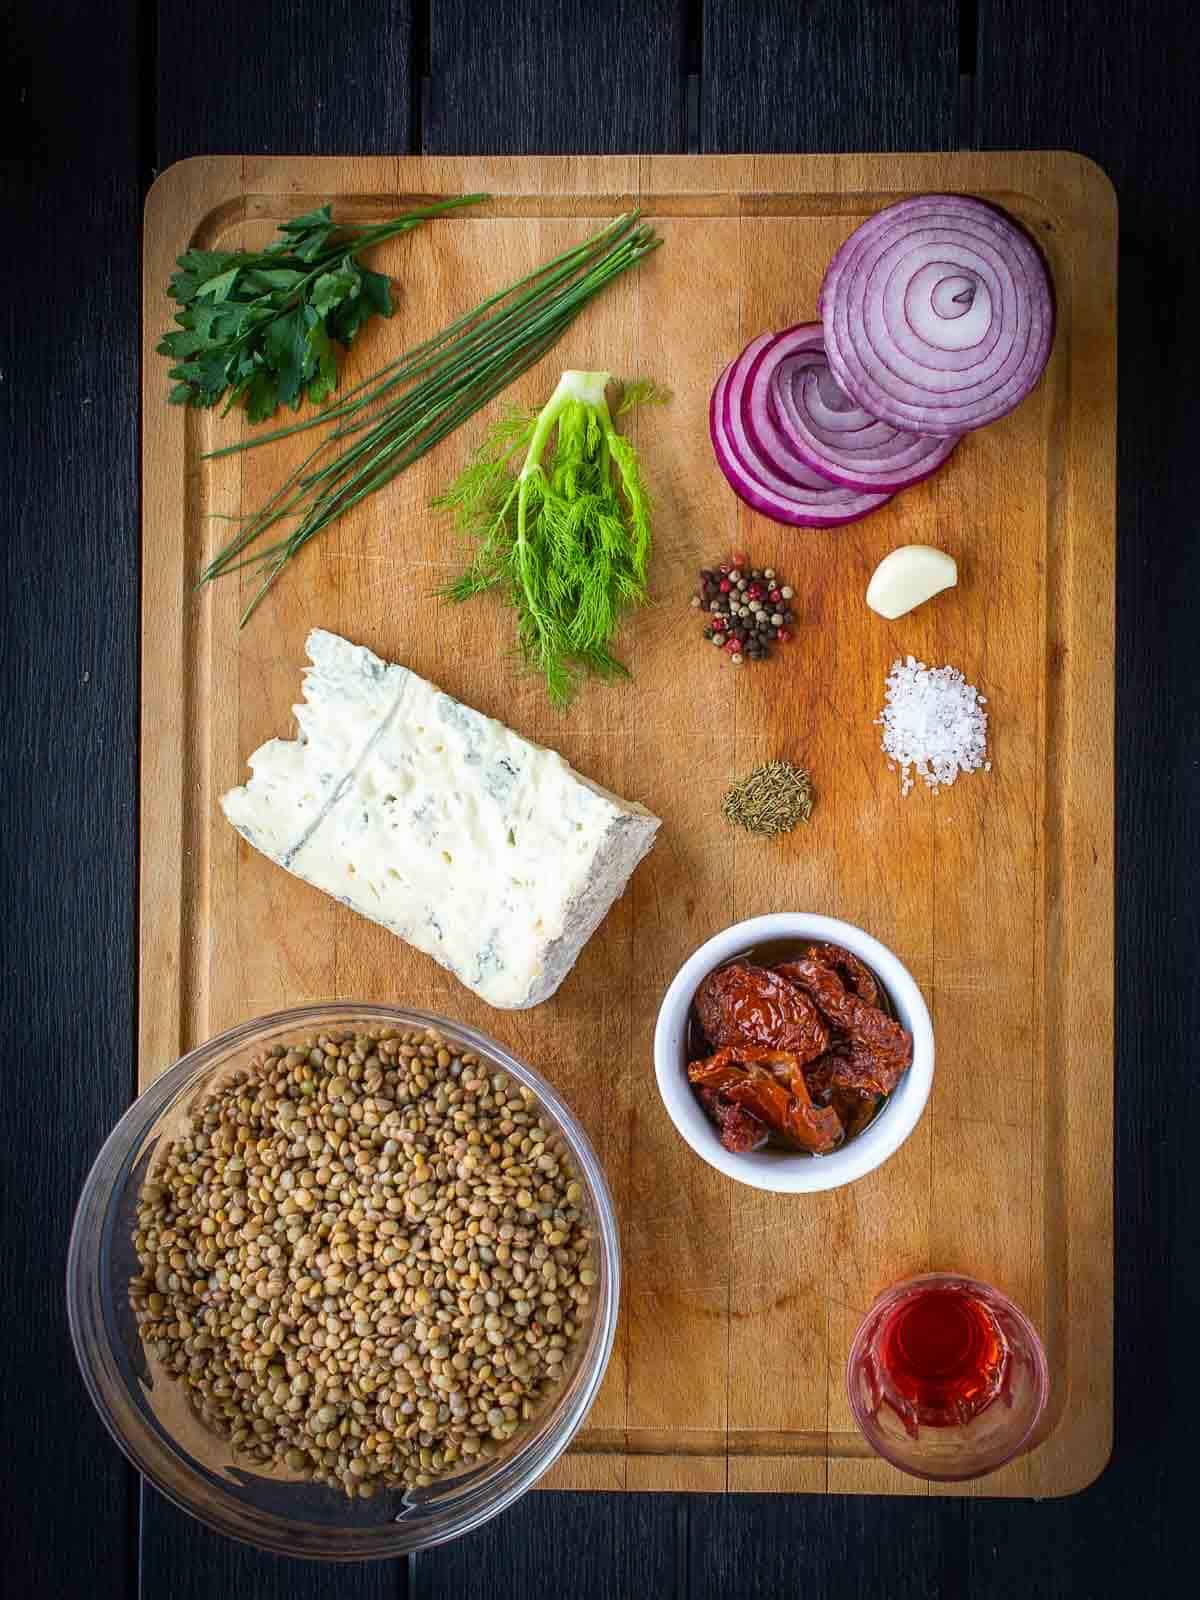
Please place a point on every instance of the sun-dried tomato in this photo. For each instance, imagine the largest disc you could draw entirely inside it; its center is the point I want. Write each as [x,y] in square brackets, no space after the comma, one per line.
[779,1097]
[856,1111]
[855,974]
[745,1004]
[879,1049]
[740,1132]
[849,1067]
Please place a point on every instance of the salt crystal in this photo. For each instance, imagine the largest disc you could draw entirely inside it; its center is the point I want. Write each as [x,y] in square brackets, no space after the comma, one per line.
[933,724]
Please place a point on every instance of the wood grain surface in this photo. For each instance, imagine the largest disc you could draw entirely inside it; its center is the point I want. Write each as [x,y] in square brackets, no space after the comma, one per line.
[1007,1174]
[101,98]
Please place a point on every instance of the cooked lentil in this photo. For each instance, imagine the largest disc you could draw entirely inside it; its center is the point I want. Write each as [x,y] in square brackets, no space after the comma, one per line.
[367,1259]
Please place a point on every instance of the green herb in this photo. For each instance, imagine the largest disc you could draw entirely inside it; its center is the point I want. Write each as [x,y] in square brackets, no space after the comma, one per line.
[376,430]
[771,800]
[567,537]
[260,326]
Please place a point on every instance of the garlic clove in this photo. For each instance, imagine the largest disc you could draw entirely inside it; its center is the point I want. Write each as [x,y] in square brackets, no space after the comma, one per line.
[908,577]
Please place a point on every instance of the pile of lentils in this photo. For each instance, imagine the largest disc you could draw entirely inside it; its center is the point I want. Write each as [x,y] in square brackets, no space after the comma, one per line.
[748,608]
[368,1260]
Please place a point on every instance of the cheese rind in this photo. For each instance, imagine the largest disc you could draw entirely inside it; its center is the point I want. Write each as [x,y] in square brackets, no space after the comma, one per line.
[484,850]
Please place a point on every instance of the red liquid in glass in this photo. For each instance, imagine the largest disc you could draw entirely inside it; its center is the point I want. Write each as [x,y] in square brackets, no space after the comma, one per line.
[942,1358]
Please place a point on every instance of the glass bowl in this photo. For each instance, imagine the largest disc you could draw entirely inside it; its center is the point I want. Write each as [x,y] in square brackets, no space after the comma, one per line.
[946,1377]
[150,1419]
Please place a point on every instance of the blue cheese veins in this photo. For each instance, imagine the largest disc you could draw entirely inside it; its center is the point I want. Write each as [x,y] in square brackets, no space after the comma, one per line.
[487,852]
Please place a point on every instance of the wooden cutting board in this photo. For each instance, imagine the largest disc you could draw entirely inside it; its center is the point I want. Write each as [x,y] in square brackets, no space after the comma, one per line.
[738,1306]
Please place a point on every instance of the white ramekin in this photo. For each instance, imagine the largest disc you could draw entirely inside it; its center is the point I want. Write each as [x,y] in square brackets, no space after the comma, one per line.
[773,1169]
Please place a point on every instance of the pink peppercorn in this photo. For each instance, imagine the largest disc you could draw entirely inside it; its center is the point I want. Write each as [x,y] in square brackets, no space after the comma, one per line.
[783,635]
[720,623]
[774,596]
[733,645]
[725,586]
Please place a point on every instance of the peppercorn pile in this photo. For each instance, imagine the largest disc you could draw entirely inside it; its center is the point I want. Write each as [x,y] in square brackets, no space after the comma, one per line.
[749,608]
[368,1260]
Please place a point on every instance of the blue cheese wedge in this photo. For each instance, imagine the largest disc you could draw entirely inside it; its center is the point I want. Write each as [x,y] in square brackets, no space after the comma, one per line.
[487,852]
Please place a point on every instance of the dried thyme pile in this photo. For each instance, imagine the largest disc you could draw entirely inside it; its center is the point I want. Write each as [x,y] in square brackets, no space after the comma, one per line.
[771,800]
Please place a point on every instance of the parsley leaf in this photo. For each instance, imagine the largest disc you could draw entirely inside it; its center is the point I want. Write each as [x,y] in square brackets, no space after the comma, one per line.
[377,292]
[258,327]
[331,288]
[285,345]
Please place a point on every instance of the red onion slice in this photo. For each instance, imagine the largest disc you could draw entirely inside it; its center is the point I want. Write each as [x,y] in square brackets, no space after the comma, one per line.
[792,394]
[752,481]
[756,434]
[938,315]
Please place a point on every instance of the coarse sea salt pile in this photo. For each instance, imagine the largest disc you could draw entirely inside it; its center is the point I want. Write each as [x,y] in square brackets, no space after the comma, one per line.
[933,724]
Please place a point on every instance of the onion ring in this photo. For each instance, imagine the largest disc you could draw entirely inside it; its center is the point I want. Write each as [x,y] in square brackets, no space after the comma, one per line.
[792,395]
[752,480]
[938,315]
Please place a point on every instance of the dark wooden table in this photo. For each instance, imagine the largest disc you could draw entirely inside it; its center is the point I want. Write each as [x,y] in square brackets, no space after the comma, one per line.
[102,95]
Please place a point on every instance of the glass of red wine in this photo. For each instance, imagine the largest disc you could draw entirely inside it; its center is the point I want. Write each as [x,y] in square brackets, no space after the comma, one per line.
[947,1377]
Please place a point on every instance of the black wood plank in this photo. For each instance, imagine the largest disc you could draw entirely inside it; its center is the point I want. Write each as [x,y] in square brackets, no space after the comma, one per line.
[564,1547]
[815,75]
[761,1546]
[306,77]
[523,77]
[183,1561]
[68,591]
[1117,83]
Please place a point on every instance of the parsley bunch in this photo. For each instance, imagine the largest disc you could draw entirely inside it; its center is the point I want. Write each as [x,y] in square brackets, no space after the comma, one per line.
[260,326]
[567,538]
